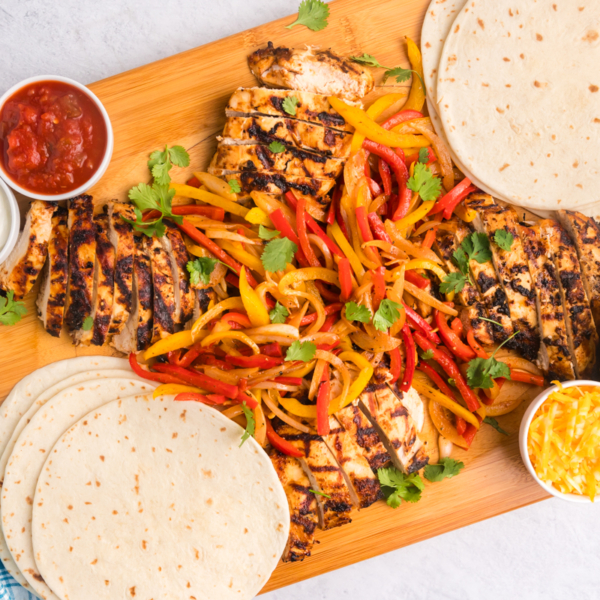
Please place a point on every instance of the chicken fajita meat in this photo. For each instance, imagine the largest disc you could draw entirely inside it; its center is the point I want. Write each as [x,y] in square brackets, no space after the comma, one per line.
[105,281]
[163,298]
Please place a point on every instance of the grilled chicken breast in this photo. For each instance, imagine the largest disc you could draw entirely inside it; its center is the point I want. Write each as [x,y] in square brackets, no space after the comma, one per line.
[311,69]
[53,291]
[581,330]
[324,474]
[360,429]
[312,108]
[513,272]
[475,311]
[142,280]
[23,265]
[585,232]
[554,357]
[163,298]
[291,162]
[105,281]
[363,485]
[302,504]
[297,134]
[121,236]
[82,259]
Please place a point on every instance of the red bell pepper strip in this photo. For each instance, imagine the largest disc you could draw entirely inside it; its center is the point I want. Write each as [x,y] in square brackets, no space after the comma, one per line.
[452,341]
[378,228]
[457,327]
[323,400]
[329,310]
[378,277]
[475,346]
[461,425]
[525,377]
[450,199]
[340,220]
[484,399]
[272,349]
[416,279]
[173,357]
[236,319]
[437,379]
[330,321]
[158,377]
[280,444]
[345,275]
[469,434]
[421,325]
[401,117]
[363,224]
[213,361]
[327,347]
[395,364]
[289,380]
[257,360]
[411,351]
[429,238]
[247,398]
[374,187]
[450,208]
[302,234]
[278,219]
[326,293]
[431,157]
[234,280]
[451,369]
[200,380]
[190,356]
[196,397]
[212,212]
[197,236]
[386,177]
[194,182]
[335,197]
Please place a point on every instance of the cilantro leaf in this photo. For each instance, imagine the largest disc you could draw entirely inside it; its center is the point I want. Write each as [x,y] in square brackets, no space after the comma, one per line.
[397,487]
[504,239]
[158,157]
[453,282]
[491,421]
[319,493]
[313,14]
[11,310]
[250,423]
[369,60]
[161,161]
[276,147]
[234,186]
[200,270]
[179,156]
[427,355]
[160,172]
[279,314]
[277,254]
[447,467]
[303,351]
[289,105]
[425,183]
[87,324]
[424,155]
[387,314]
[481,371]
[144,196]
[399,73]
[355,312]
[462,261]
[477,247]
[267,234]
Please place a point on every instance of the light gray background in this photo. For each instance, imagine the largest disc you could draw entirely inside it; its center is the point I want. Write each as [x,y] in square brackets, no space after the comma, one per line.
[549,550]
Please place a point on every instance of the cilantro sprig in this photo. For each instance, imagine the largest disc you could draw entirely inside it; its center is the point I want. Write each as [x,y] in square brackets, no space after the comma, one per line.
[446,468]
[316,492]
[387,314]
[425,183]
[482,371]
[289,105]
[161,161]
[87,324]
[424,155]
[356,312]
[234,186]
[279,314]
[399,73]
[312,14]
[504,239]
[494,423]
[200,269]
[303,351]
[250,424]
[397,486]
[267,234]
[277,254]
[276,147]
[474,247]
[11,310]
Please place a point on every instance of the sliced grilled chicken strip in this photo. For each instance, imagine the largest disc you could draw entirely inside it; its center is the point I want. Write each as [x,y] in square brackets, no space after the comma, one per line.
[311,69]
[292,162]
[305,136]
[23,265]
[121,236]
[174,245]
[581,329]
[358,426]
[323,473]
[585,232]
[312,108]
[349,455]
[512,269]
[475,311]
[302,504]
[554,356]
[202,301]
[53,291]
[105,287]
[81,303]
[142,277]
[163,298]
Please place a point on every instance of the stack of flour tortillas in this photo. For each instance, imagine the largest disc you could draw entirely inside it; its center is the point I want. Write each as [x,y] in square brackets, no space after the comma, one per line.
[514,88]
[111,493]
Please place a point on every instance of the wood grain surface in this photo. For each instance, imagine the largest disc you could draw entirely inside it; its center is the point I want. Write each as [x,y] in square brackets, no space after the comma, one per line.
[181,100]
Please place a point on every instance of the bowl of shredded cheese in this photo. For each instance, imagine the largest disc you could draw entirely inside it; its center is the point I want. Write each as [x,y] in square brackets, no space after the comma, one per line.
[560,440]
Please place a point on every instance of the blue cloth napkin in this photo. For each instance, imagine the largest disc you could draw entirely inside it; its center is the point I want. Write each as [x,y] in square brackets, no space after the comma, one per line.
[11,589]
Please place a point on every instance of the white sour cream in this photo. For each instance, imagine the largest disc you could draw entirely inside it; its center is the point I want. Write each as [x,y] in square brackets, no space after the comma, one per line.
[5,218]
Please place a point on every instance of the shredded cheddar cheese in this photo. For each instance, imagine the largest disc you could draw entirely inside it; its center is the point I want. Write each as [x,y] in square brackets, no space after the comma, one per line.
[564,441]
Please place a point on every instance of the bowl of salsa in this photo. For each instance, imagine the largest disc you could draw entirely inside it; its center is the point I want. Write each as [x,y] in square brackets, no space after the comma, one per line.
[56,140]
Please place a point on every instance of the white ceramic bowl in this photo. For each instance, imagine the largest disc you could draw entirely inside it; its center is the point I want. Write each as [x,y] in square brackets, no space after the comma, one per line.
[524,432]
[107,153]
[14,219]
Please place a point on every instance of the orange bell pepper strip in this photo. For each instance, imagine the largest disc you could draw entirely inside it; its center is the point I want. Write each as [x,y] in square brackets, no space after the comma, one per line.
[378,277]
[452,341]
[475,346]
[525,377]
[416,98]
[311,257]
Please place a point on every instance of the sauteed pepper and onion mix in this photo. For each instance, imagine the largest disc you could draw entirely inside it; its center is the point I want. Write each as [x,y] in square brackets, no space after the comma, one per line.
[310,301]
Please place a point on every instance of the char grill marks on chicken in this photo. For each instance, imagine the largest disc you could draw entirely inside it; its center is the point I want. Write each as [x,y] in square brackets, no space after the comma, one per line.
[52,296]
[22,267]
[105,281]
[163,297]
[142,276]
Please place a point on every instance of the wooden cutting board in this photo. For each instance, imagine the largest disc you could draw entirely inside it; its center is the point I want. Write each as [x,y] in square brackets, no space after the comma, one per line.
[181,100]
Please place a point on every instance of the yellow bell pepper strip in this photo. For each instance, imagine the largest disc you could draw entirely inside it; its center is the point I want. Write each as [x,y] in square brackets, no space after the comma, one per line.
[212,199]
[231,335]
[429,299]
[257,216]
[416,98]
[413,217]
[465,214]
[335,232]
[255,309]
[445,401]
[304,370]
[308,274]
[359,119]
[181,339]
[357,386]
[307,411]
[168,389]
[374,111]
[212,313]
[242,256]
[445,426]
[422,263]
[216,185]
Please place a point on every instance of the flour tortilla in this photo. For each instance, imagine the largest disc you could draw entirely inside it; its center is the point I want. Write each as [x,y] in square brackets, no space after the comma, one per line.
[519,97]
[176,508]
[31,450]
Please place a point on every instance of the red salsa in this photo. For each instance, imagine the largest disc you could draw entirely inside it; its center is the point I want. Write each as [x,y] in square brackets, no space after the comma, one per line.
[53,137]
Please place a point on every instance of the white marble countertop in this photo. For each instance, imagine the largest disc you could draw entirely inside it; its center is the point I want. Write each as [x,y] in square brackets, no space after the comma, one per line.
[548,550]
